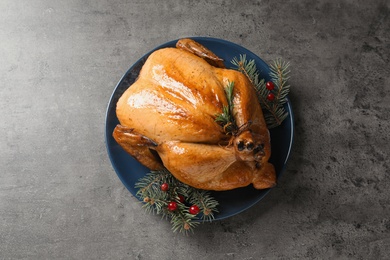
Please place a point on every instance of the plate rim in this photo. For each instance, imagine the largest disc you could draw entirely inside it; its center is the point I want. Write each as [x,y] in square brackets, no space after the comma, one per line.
[212,39]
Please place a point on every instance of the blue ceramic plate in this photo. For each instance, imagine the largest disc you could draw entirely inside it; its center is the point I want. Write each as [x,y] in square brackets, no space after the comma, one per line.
[231,202]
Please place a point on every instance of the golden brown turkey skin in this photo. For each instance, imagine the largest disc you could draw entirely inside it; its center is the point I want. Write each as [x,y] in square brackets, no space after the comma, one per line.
[171,109]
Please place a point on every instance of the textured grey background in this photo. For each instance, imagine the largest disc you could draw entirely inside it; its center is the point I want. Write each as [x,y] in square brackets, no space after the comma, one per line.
[61,199]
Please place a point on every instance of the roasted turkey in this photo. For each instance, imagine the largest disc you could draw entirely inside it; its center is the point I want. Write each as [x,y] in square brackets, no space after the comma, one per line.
[168,120]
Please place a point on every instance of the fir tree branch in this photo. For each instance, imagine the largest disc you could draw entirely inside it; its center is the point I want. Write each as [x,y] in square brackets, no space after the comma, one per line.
[156,200]
[226,118]
[280,74]
[206,204]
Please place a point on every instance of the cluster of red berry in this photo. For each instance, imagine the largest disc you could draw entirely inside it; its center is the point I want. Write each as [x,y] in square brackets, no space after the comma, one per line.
[172,206]
[270,86]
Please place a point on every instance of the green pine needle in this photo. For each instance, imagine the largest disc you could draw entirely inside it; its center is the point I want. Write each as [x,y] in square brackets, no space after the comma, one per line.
[226,118]
[208,204]
[156,201]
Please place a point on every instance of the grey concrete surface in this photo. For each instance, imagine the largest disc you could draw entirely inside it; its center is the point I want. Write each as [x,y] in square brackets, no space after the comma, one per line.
[59,195]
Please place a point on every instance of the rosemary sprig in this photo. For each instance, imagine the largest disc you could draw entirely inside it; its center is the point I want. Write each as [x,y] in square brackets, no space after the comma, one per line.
[226,118]
[156,200]
[279,73]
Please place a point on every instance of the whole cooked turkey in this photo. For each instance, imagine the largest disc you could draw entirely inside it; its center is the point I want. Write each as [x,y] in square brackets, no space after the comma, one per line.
[168,120]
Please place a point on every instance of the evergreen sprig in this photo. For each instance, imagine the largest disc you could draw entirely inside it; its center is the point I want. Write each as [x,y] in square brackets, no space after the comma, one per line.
[207,204]
[226,118]
[156,200]
[275,112]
